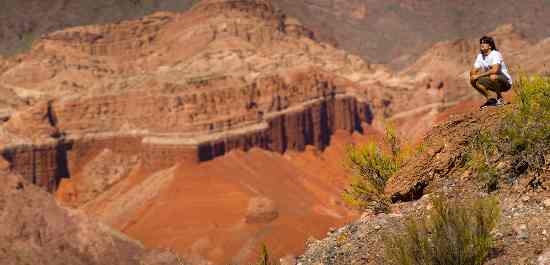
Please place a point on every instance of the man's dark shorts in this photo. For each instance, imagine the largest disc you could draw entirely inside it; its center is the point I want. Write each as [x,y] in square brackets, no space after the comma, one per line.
[500,84]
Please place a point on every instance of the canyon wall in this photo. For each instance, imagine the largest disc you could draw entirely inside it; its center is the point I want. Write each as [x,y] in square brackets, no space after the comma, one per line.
[43,165]
[251,77]
[308,124]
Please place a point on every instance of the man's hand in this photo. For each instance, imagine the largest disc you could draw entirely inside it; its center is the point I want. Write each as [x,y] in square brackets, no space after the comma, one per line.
[474,74]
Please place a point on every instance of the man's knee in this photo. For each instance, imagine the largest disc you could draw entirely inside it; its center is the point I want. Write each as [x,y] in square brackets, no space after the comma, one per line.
[480,86]
[484,81]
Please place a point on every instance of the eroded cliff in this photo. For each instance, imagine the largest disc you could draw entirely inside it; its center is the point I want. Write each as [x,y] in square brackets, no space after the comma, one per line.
[138,123]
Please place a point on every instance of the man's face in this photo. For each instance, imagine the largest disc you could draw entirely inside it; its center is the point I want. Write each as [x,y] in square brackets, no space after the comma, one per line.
[485,48]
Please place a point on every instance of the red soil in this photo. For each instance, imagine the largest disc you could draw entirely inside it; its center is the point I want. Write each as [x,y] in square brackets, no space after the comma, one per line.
[205,212]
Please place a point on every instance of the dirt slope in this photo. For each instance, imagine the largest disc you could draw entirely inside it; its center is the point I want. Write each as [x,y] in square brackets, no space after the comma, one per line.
[522,231]
[222,210]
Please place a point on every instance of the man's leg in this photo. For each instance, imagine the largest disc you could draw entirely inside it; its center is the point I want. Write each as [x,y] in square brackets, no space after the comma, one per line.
[482,86]
[501,84]
[496,85]
[474,83]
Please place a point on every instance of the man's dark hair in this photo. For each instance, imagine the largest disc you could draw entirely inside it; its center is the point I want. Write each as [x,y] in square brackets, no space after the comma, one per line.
[490,41]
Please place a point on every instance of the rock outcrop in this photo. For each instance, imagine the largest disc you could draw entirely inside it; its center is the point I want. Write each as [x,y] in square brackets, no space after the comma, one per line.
[35,230]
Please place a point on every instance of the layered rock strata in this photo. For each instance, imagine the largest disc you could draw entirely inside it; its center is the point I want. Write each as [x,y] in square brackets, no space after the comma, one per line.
[180,124]
[169,87]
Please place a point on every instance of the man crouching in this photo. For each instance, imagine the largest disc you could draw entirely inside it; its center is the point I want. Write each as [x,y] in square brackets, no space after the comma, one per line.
[490,73]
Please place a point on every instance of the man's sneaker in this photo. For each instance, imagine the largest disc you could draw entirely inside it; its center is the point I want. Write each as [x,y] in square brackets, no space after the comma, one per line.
[500,102]
[490,102]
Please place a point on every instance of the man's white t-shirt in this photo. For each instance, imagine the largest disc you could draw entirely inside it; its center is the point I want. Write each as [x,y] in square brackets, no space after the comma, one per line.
[494,57]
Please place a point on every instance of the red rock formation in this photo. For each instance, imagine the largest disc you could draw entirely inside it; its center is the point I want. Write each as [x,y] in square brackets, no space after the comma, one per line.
[43,165]
[277,122]
[211,114]
[215,205]
[134,107]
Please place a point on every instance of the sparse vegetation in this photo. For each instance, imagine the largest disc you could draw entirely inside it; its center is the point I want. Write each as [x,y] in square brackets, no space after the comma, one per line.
[393,141]
[264,258]
[147,6]
[526,130]
[523,136]
[453,234]
[26,40]
[371,168]
[481,157]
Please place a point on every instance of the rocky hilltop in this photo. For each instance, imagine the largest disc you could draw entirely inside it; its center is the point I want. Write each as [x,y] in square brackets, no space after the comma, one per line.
[521,234]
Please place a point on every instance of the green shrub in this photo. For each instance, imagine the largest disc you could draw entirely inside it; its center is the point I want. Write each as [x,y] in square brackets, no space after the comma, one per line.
[393,141]
[454,234]
[526,129]
[481,157]
[263,258]
[26,40]
[371,168]
[523,135]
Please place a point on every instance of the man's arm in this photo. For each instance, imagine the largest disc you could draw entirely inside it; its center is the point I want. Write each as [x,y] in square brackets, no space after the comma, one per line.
[476,68]
[474,72]
[495,69]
